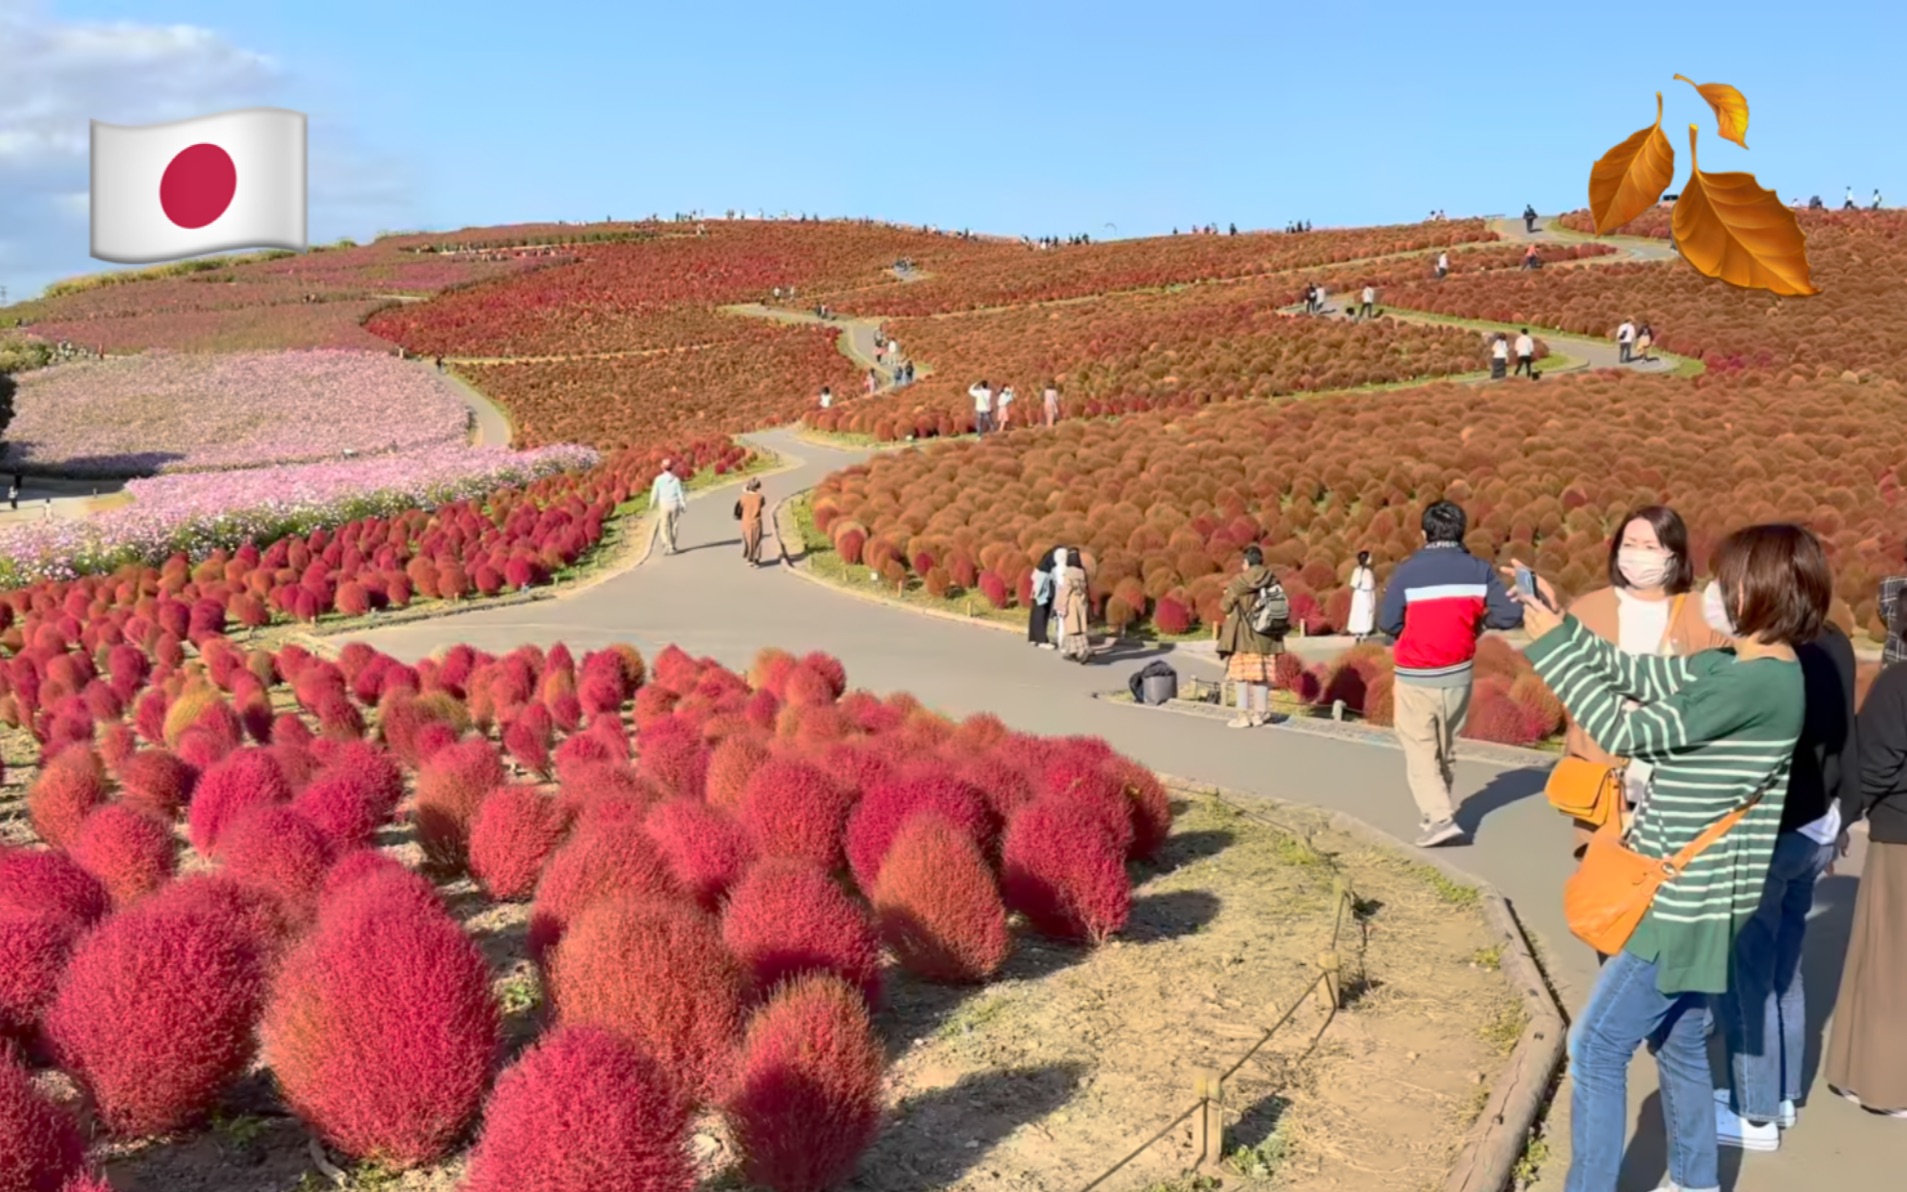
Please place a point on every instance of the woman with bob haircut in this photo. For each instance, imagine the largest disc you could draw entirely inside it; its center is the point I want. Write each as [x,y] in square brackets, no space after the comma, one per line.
[1720,729]
[1644,610]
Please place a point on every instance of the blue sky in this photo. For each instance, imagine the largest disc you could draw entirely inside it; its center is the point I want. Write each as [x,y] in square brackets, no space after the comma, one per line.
[1029,118]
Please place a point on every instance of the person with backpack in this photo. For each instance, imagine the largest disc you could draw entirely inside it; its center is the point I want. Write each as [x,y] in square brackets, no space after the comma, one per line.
[1257,617]
[1436,605]
[1040,611]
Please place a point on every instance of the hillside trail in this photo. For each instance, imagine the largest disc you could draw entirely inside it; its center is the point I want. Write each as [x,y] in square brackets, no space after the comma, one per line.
[708,602]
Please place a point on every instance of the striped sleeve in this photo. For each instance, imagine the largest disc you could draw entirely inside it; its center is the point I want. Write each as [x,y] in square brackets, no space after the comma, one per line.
[1593,680]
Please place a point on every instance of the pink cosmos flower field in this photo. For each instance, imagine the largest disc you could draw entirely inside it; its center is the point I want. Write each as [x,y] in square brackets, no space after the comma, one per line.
[164,412]
[201,512]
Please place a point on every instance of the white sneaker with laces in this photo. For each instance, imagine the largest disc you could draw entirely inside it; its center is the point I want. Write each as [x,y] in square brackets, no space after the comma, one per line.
[1732,1129]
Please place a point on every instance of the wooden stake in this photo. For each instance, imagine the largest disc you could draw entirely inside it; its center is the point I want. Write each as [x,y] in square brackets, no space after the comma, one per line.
[1329,989]
[1211,1117]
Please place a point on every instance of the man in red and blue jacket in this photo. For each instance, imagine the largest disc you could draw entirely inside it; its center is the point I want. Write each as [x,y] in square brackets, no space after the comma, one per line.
[1436,605]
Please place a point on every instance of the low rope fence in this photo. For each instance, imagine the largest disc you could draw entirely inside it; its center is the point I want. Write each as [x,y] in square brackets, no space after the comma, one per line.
[1208,1107]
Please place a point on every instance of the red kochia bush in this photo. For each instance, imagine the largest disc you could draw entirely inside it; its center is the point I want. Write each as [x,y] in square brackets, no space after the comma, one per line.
[64,794]
[449,787]
[887,807]
[381,1030]
[515,831]
[794,810]
[33,952]
[704,847]
[1151,809]
[246,779]
[49,882]
[730,767]
[155,1015]
[131,853]
[40,1144]
[598,860]
[583,1111]
[786,918]
[937,907]
[278,851]
[671,754]
[1063,874]
[807,1096]
[656,973]
[157,782]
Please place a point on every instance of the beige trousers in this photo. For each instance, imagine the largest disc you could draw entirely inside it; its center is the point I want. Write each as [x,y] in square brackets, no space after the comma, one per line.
[671,514]
[1428,720]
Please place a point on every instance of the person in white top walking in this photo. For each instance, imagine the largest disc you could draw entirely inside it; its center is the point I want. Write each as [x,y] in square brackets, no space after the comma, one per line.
[982,395]
[1369,305]
[1525,355]
[1625,341]
[1050,399]
[827,397]
[1499,357]
[1363,618]
[1443,265]
[1003,406]
[665,497]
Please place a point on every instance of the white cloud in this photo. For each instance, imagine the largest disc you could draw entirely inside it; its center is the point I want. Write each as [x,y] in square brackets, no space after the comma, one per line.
[60,75]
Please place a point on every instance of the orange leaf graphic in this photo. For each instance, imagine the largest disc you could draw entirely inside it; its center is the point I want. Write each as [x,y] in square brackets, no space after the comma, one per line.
[1731,109]
[1632,176]
[1728,227]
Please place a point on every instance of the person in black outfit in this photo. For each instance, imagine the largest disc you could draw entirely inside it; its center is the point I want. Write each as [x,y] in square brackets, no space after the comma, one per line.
[1764,1014]
[1529,218]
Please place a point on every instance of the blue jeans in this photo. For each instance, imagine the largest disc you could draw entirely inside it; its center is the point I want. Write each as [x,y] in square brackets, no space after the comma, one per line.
[1625,1011]
[1764,1015]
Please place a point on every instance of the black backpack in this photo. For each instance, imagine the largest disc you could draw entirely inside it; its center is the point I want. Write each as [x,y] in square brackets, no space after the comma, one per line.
[1271,612]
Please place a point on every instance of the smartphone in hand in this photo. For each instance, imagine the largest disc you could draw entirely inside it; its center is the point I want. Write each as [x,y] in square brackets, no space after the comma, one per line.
[1525,581]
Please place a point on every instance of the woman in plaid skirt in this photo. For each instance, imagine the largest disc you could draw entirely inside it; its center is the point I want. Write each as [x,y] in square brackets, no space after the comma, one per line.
[1249,656]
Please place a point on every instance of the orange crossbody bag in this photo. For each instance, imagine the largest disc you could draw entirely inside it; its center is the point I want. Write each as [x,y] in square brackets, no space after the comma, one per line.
[1605,899]
[1591,791]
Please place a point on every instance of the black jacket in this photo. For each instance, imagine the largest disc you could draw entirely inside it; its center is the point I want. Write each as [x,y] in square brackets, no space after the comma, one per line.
[1825,769]
[1883,744]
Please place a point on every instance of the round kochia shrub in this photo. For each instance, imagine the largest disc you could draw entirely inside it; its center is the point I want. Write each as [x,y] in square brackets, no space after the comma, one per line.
[597,861]
[40,1145]
[704,847]
[450,785]
[48,882]
[381,1030]
[888,806]
[245,779]
[515,831]
[156,781]
[64,794]
[279,852]
[583,1111]
[1063,874]
[793,809]
[655,973]
[131,853]
[807,1096]
[155,1015]
[33,953]
[937,907]
[786,918]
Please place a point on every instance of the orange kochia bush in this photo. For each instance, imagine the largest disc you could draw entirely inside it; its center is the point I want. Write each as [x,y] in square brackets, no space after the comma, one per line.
[1163,503]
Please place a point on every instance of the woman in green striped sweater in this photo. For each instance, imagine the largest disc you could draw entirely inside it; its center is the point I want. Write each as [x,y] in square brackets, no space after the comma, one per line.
[1719,728]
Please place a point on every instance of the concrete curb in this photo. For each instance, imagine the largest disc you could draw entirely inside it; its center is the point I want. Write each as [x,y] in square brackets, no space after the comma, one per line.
[1509,757]
[1495,1142]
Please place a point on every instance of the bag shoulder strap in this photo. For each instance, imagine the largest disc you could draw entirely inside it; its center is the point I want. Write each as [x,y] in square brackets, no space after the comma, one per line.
[1675,617]
[1713,832]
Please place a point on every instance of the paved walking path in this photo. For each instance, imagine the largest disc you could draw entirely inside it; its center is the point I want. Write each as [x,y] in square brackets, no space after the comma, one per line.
[707,602]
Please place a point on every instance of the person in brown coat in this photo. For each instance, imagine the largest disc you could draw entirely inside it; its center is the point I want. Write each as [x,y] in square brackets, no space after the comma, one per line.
[1248,654]
[1646,609]
[1073,606]
[749,511]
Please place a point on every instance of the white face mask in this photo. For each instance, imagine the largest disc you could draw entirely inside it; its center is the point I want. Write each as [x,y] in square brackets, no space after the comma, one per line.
[1715,610]
[1644,568]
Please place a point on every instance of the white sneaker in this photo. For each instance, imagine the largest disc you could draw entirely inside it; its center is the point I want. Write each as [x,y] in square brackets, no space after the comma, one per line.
[1731,1129]
[1785,1116]
[1241,721]
[1048,646]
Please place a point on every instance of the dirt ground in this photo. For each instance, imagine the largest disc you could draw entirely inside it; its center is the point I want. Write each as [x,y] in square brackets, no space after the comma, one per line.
[1041,1080]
